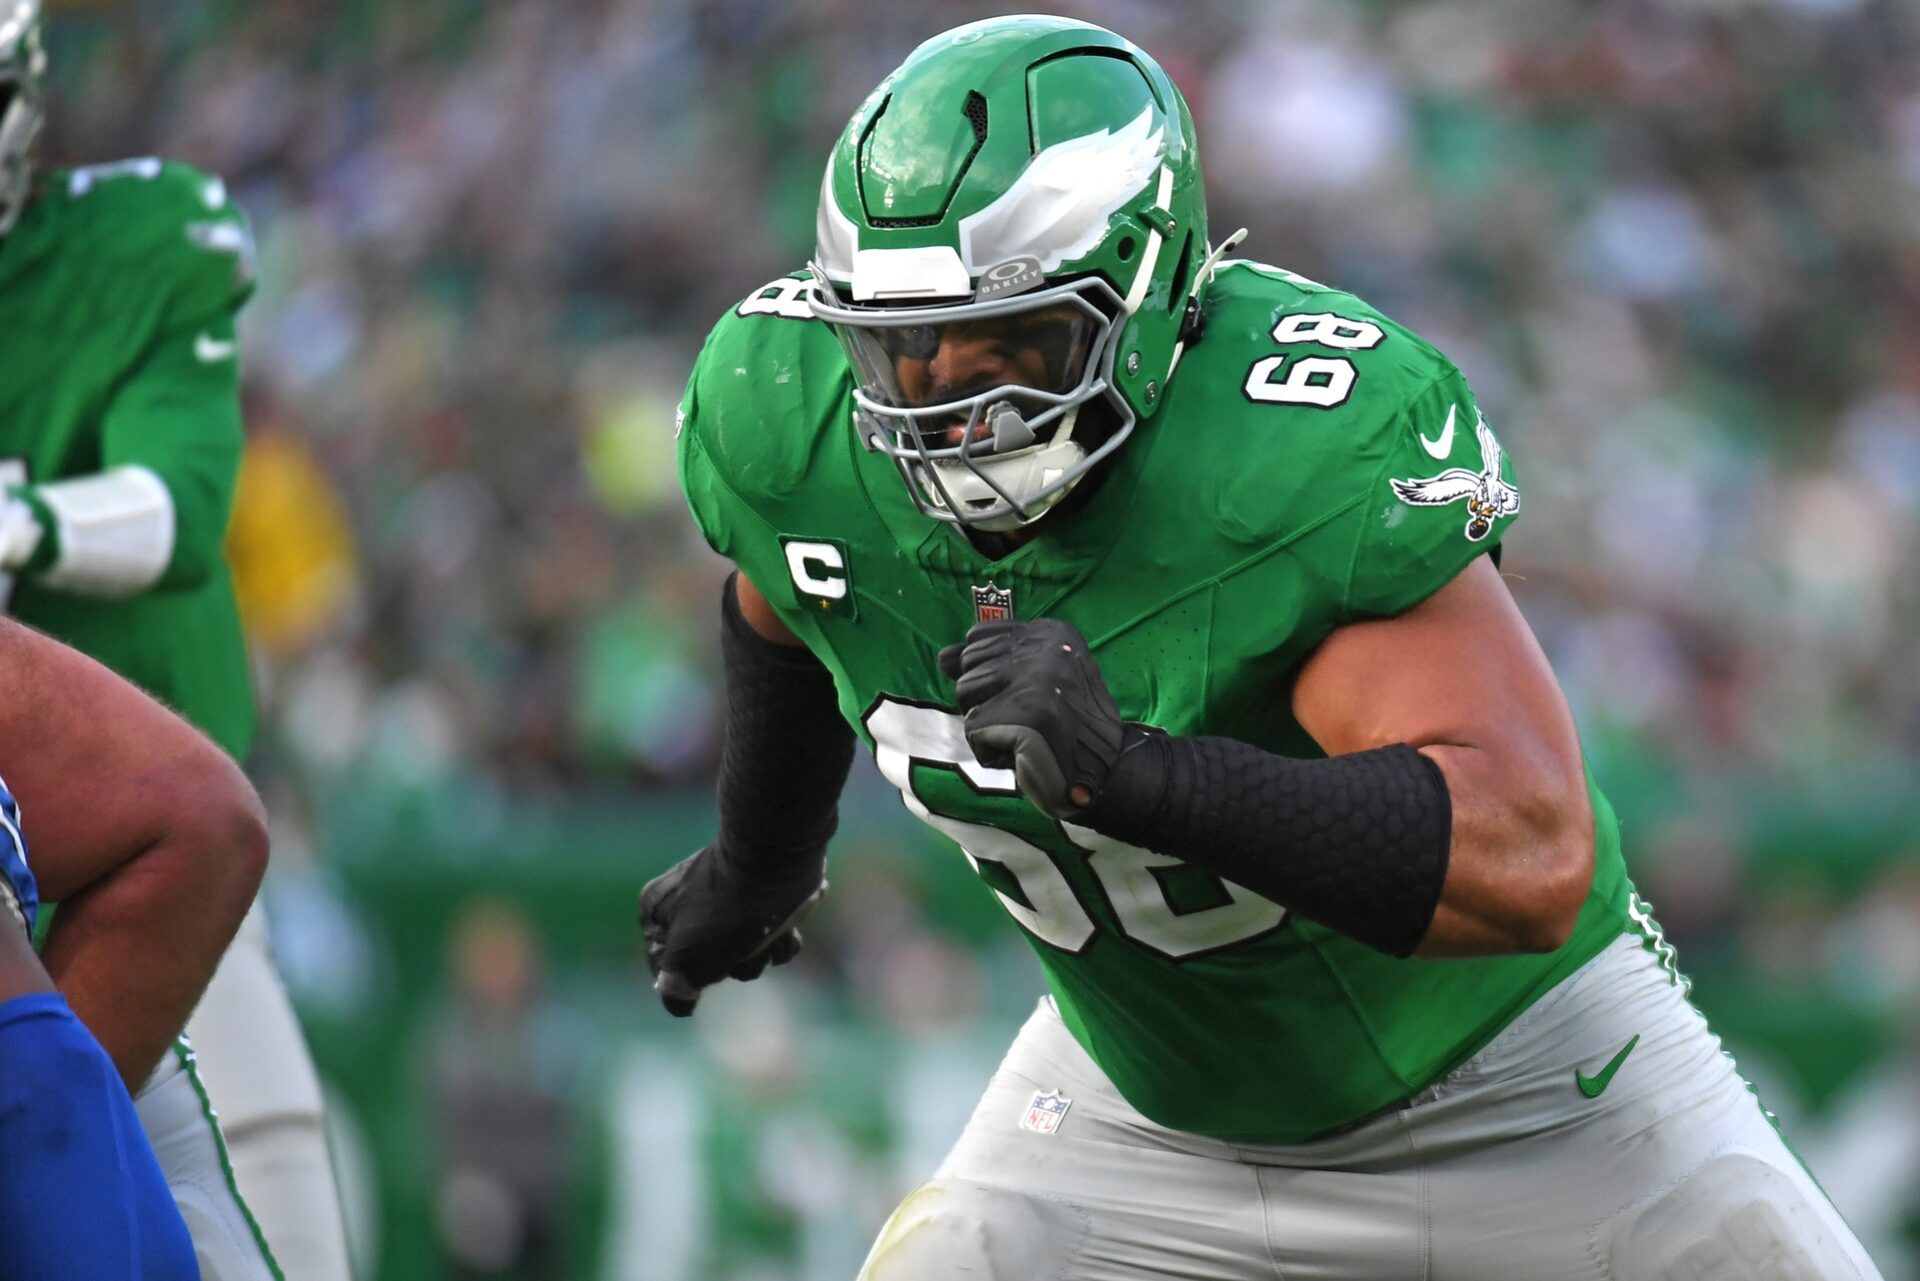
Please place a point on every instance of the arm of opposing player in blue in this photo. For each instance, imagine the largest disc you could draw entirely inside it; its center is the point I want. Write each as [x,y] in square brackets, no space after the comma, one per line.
[146,833]
[81,1194]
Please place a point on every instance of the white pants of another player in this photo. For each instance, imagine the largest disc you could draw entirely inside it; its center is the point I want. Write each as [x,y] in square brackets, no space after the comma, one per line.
[1504,1170]
[181,1124]
[254,1080]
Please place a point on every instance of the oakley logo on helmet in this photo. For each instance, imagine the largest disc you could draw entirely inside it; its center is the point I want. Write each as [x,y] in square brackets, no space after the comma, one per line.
[1014,276]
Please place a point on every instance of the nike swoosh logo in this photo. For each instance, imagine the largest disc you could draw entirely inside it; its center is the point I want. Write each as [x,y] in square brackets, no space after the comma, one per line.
[1442,447]
[208,349]
[1594,1086]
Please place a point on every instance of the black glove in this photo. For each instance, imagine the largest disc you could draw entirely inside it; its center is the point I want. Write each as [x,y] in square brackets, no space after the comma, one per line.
[1034,701]
[706,919]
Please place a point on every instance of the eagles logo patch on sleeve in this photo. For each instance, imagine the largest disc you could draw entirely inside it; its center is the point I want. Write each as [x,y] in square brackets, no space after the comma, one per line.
[1487,495]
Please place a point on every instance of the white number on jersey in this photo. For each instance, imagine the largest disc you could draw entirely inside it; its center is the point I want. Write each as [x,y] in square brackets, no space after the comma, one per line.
[786,296]
[82,180]
[906,734]
[1320,381]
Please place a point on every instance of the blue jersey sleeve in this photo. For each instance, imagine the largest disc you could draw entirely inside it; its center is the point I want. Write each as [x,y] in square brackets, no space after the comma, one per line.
[81,1195]
[19,894]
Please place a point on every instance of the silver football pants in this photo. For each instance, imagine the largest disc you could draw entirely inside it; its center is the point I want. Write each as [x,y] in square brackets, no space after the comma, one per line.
[261,1078]
[1551,1155]
[184,1129]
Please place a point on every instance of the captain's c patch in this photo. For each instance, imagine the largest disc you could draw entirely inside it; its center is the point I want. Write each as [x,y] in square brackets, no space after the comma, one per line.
[818,567]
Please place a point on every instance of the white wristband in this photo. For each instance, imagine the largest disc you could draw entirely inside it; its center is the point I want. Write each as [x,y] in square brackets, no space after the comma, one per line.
[20,533]
[116,531]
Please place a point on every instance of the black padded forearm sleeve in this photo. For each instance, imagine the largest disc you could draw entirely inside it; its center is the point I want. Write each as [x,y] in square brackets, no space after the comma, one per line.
[1358,843]
[787,749]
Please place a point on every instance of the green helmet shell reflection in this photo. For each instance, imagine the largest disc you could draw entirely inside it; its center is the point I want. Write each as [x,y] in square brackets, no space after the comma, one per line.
[1007,163]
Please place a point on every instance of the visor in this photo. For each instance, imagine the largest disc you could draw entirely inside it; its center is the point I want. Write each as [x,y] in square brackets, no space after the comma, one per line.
[1042,350]
[969,394]
[933,362]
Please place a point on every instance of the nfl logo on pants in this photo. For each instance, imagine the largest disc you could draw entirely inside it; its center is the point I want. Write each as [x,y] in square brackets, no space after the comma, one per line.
[992,604]
[1045,1112]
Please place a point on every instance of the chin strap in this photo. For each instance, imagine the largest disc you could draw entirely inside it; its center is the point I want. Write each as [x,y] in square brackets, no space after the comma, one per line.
[1212,260]
[1193,324]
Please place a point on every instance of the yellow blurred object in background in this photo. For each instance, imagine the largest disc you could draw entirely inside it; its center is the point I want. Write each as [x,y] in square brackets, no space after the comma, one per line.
[290,546]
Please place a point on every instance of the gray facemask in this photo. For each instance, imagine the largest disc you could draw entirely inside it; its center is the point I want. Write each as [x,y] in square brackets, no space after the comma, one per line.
[22,108]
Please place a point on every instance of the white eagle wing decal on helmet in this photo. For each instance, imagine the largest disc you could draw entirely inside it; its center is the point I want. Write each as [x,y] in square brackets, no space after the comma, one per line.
[836,239]
[1057,209]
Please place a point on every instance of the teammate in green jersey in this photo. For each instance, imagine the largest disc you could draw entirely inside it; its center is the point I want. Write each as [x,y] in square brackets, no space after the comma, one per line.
[120,441]
[1162,585]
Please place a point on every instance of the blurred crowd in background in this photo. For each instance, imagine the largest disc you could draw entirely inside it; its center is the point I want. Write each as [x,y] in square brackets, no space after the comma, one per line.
[1675,244]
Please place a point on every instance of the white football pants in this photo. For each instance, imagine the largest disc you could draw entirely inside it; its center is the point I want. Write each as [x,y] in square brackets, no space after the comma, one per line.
[1507,1169]
[180,1122]
[261,1079]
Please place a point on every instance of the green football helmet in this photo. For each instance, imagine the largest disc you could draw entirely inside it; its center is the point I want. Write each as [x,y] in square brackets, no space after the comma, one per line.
[22,66]
[1012,226]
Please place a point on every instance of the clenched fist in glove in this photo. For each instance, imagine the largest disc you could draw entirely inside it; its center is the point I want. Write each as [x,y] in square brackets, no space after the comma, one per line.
[706,918]
[1034,701]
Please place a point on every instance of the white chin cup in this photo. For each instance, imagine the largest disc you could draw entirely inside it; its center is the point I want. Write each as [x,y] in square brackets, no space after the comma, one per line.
[1020,474]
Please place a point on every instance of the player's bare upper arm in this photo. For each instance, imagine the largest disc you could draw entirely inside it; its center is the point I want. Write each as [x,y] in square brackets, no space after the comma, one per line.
[20,970]
[760,615]
[1461,678]
[1462,668]
[101,770]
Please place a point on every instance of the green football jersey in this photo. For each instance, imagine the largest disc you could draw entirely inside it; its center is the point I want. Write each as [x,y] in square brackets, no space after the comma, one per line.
[118,290]
[1313,464]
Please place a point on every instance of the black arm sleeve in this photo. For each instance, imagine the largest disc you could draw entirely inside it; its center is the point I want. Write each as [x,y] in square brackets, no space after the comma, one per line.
[787,748]
[1358,842]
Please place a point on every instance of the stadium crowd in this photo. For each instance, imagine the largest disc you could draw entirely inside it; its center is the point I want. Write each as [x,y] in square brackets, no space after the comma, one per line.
[1675,244]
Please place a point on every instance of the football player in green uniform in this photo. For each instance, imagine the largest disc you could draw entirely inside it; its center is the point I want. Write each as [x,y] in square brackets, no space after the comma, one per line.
[120,441]
[1163,585]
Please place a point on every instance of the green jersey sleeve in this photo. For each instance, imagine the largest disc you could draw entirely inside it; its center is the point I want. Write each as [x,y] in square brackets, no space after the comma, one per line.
[714,507]
[206,259]
[1443,494]
[767,401]
[187,256]
[182,249]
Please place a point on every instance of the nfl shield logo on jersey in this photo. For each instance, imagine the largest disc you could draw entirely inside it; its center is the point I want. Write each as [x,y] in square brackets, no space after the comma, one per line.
[1046,1112]
[992,604]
